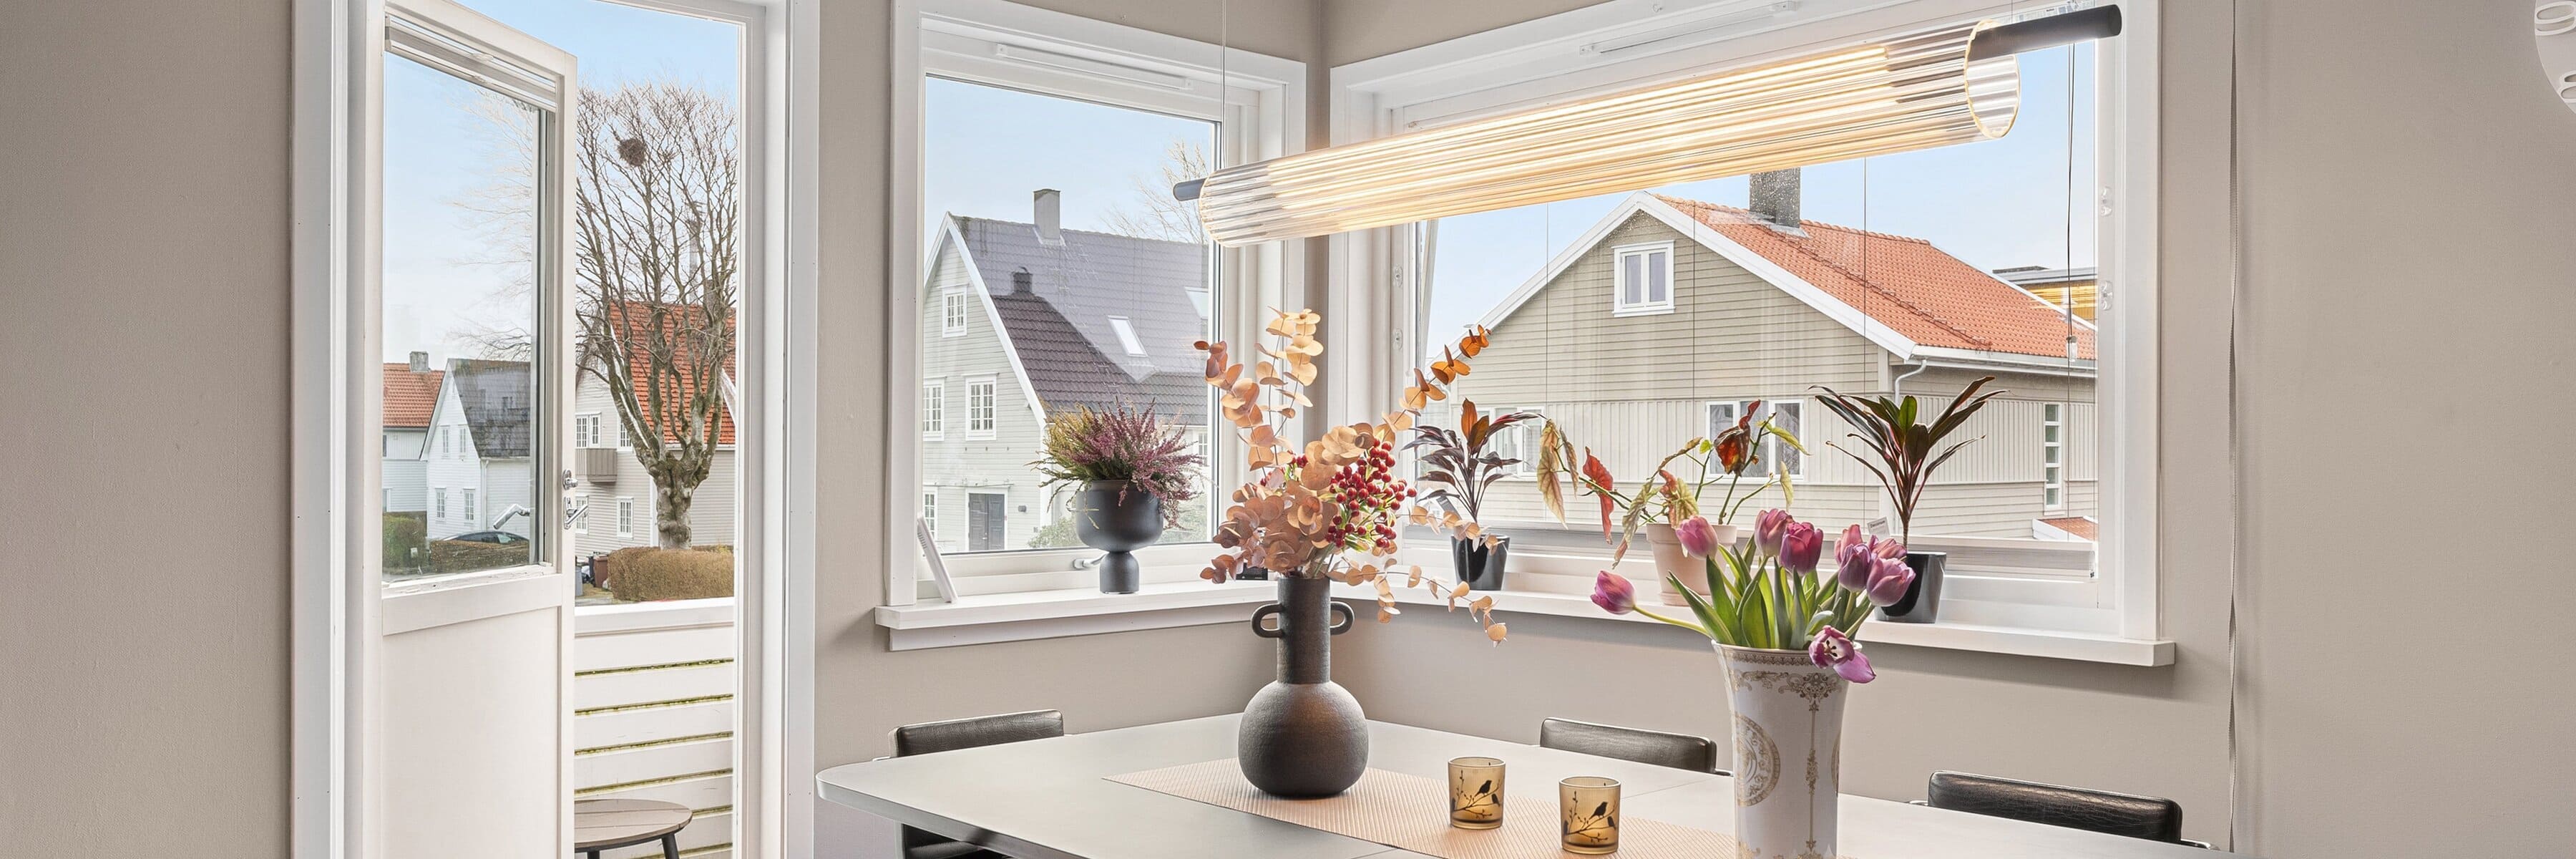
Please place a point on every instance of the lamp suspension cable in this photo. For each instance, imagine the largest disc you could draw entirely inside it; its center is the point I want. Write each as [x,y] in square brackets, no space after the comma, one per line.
[1899,94]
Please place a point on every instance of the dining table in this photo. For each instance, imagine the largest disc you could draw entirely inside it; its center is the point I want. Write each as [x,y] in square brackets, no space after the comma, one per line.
[1054,799]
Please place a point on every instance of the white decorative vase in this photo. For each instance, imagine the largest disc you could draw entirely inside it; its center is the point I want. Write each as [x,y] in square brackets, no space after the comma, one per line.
[1670,560]
[1788,752]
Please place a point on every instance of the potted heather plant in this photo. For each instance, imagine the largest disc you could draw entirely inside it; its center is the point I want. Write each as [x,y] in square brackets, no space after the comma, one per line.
[1314,514]
[1903,453]
[1661,504]
[1457,465]
[1784,632]
[1134,471]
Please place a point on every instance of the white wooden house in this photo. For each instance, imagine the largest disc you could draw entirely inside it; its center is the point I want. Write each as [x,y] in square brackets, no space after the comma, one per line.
[475,460]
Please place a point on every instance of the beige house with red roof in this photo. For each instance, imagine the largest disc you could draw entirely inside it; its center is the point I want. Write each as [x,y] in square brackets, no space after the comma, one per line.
[615,496]
[1670,317]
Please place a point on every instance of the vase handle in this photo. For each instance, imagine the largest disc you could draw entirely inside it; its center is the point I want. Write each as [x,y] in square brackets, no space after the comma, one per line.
[1342,617]
[1266,611]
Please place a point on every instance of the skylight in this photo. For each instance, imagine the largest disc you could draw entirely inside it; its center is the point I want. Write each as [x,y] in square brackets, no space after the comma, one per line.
[1127,336]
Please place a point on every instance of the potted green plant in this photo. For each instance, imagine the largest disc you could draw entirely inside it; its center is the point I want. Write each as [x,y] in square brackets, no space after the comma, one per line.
[1458,467]
[1903,453]
[1134,471]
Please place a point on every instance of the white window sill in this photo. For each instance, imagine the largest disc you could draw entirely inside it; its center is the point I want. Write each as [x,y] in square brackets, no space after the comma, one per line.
[993,618]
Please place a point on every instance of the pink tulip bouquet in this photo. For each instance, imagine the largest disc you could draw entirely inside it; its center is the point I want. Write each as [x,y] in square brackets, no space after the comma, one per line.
[1771,595]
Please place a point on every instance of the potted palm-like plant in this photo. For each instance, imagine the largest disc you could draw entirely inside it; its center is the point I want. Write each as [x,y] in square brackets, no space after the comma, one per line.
[1903,453]
[1458,467]
[1135,471]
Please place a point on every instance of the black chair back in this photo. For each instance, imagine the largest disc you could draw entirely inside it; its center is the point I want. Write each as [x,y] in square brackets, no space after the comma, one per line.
[933,737]
[1679,751]
[2146,817]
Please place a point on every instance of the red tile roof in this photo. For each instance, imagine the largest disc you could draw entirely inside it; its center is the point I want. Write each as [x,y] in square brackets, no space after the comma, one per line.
[2076,525]
[409,396]
[1906,284]
[639,318]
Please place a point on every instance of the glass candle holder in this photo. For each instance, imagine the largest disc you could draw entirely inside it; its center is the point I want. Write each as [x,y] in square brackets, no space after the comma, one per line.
[1588,805]
[1475,793]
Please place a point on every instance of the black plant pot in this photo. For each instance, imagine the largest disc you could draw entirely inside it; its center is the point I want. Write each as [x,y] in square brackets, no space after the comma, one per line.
[1303,736]
[1922,602]
[1481,565]
[1116,517]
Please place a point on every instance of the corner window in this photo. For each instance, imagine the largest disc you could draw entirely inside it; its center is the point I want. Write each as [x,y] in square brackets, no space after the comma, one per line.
[934,410]
[1642,279]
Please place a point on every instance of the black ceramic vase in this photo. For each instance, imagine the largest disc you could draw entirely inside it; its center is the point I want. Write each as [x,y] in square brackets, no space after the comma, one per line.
[1922,601]
[1118,518]
[1303,735]
[1480,564]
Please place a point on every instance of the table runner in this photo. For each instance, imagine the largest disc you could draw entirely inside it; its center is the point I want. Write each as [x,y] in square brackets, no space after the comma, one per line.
[1412,812]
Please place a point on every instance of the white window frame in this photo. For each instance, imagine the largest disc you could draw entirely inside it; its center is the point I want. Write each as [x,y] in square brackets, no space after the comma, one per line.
[930,511]
[2052,475]
[1259,105]
[1646,304]
[1543,62]
[473,515]
[934,417]
[438,504]
[580,514]
[625,515]
[1127,339]
[952,313]
[983,407]
[585,430]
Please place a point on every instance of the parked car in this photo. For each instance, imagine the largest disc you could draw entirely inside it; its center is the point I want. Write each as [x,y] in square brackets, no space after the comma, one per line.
[503,538]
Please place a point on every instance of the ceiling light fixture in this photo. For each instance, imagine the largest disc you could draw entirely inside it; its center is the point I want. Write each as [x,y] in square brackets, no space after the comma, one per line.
[1936,88]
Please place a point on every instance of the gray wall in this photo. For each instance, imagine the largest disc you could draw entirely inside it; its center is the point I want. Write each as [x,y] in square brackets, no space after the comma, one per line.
[143,343]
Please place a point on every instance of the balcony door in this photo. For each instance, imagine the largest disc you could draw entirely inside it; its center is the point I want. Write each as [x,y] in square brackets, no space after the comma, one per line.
[473,323]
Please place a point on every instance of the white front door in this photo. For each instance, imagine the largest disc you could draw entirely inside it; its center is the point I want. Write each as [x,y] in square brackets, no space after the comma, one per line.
[471,164]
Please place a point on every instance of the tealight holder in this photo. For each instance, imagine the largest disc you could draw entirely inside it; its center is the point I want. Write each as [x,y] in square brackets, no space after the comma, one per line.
[1475,792]
[1588,806]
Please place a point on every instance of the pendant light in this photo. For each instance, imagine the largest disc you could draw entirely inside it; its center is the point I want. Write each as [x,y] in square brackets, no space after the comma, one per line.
[1955,84]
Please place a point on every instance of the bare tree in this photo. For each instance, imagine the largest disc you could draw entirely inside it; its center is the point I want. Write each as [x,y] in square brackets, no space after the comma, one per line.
[657,235]
[1154,214]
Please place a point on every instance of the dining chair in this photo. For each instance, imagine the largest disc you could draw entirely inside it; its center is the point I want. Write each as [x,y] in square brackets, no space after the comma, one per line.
[932,737]
[2147,817]
[1679,751]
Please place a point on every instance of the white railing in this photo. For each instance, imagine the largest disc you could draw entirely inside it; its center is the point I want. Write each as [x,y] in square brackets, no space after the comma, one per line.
[653,713]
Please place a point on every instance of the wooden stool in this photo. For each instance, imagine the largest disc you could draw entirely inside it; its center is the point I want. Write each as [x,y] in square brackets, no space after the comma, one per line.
[605,824]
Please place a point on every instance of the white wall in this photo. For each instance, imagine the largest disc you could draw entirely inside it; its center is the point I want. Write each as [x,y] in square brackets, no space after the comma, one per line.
[442,686]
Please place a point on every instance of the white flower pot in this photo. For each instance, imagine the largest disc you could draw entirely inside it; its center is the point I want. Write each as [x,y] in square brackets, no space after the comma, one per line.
[1788,752]
[1670,560]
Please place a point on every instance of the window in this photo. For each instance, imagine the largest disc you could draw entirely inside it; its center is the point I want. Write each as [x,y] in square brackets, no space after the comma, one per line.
[1519,442]
[581,514]
[438,501]
[979,408]
[1885,276]
[625,516]
[473,515]
[585,429]
[1049,139]
[952,313]
[934,409]
[930,513]
[1127,336]
[1642,279]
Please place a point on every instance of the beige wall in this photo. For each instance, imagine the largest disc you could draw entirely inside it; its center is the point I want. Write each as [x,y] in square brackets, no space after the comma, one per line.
[143,343]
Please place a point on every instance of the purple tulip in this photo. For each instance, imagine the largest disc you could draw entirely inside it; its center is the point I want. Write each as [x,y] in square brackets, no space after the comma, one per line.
[1767,528]
[1614,594]
[1699,538]
[1832,649]
[1888,579]
[1853,560]
[1801,544]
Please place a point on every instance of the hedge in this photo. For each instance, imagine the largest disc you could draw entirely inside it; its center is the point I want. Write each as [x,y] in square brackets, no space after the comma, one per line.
[644,574]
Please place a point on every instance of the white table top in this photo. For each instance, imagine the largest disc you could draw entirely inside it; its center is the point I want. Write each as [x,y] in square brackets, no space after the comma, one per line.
[1050,799]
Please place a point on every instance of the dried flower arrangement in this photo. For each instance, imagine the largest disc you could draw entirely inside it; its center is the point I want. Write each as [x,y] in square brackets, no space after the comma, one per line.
[1085,445]
[1331,508]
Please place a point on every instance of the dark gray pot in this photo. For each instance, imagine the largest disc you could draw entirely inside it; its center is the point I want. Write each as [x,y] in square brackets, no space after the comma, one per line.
[1303,735]
[1113,516]
[1922,602]
[1480,565]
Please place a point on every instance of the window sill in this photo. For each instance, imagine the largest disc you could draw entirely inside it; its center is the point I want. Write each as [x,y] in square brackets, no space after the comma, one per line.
[1051,614]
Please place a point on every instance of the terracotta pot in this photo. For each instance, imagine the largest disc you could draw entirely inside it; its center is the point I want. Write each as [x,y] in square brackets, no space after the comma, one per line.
[1670,560]
[1788,751]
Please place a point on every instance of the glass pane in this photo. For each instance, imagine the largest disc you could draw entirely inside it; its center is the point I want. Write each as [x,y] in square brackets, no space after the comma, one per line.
[460,307]
[1658,279]
[1962,262]
[1081,283]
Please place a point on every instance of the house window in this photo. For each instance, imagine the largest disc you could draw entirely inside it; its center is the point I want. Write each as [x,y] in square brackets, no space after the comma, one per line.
[1090,272]
[1518,442]
[585,429]
[2052,456]
[1775,456]
[473,515]
[438,503]
[979,408]
[1126,331]
[1641,279]
[625,516]
[930,513]
[581,514]
[952,313]
[934,410]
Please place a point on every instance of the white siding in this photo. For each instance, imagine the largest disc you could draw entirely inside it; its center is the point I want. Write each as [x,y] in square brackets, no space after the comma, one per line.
[712,513]
[956,465]
[451,466]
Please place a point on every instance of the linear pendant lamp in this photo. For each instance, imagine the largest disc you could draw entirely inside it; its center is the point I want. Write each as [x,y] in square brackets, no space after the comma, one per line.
[1951,85]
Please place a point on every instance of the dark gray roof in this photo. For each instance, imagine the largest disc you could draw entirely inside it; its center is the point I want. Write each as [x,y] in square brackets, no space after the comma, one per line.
[495,397]
[1061,325]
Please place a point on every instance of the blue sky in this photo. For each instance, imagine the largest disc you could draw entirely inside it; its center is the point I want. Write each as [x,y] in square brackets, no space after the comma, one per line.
[986,148]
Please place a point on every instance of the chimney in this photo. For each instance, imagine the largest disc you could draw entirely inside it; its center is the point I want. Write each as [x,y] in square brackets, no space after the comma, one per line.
[1775,198]
[420,362]
[1022,283]
[1049,204]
